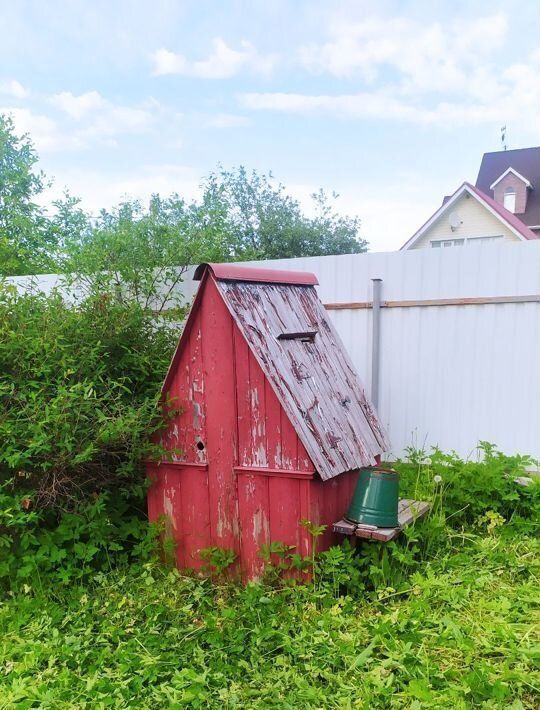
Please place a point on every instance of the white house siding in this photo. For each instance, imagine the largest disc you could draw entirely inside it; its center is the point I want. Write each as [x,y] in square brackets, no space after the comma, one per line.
[478,221]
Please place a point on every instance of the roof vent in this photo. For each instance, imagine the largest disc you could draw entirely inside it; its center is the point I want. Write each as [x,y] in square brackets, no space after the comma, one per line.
[305,336]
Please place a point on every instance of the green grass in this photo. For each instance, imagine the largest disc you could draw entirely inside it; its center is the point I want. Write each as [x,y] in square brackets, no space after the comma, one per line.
[463,634]
[447,616]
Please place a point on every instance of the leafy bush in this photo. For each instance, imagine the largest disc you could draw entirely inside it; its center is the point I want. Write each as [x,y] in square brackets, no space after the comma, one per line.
[40,547]
[463,491]
[78,392]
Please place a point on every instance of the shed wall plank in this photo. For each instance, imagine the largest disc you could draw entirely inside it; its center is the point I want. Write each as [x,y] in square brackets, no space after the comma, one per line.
[218,359]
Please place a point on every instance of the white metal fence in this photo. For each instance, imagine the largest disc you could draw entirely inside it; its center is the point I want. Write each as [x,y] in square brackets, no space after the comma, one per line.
[453,374]
[460,340]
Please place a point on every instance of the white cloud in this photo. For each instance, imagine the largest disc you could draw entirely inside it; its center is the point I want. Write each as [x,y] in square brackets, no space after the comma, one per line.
[223,62]
[227,120]
[78,106]
[381,105]
[83,121]
[44,131]
[13,88]
[426,57]
[363,105]
[98,118]
[424,75]
[118,120]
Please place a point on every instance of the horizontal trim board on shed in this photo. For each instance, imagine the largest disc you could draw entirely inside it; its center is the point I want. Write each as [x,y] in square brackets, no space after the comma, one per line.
[273,472]
[178,464]
[423,303]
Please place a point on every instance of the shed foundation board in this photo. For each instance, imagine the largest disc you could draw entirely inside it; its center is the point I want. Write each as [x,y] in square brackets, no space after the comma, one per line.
[408,511]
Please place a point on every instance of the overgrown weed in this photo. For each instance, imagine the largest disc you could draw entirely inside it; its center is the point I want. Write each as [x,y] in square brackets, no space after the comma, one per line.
[445,616]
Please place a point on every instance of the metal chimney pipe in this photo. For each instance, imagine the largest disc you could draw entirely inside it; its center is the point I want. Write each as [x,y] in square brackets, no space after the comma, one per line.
[376,341]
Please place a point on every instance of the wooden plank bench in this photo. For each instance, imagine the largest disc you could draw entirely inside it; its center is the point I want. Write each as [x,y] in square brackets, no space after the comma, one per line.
[408,512]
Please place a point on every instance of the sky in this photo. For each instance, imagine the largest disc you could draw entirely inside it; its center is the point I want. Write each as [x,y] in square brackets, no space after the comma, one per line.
[390,104]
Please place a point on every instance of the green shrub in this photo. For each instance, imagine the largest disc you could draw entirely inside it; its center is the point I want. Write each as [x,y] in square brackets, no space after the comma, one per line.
[78,391]
[38,547]
[462,491]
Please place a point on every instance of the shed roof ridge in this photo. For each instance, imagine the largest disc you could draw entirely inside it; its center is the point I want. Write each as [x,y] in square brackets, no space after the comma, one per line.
[235,272]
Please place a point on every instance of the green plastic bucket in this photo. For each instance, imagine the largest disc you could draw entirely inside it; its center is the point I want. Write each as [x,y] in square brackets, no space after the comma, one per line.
[375,499]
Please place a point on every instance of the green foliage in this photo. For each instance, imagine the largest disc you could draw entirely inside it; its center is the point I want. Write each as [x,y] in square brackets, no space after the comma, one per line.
[462,491]
[460,636]
[144,251]
[441,617]
[264,222]
[218,560]
[42,547]
[143,254]
[78,394]
[26,237]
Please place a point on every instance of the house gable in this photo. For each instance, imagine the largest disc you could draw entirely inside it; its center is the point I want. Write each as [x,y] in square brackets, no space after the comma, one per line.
[469,215]
[515,173]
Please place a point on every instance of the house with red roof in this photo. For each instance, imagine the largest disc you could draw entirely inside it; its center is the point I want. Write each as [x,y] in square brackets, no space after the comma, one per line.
[504,204]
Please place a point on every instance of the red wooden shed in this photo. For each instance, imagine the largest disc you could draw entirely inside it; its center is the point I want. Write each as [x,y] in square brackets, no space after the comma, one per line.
[274,423]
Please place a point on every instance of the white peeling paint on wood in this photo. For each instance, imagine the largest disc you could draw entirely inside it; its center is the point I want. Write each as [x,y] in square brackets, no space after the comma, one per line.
[315,381]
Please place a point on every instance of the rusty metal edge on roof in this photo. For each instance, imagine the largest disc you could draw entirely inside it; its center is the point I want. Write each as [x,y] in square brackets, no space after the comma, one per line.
[233,272]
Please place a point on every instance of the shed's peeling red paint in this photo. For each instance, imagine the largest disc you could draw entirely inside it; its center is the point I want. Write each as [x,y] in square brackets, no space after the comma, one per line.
[264,420]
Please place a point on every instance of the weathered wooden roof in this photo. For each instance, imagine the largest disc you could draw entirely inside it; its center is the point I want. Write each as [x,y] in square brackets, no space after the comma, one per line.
[301,354]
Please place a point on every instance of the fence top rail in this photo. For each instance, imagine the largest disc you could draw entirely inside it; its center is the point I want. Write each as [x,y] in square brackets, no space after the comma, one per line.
[422,303]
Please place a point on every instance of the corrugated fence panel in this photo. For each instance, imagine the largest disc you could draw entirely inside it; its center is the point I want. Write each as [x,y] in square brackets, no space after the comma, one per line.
[450,375]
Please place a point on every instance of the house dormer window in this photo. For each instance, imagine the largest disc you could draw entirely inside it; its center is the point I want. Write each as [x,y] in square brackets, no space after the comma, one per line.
[509,199]
[511,189]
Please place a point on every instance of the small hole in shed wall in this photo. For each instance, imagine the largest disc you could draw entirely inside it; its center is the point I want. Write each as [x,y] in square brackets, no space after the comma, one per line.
[200,445]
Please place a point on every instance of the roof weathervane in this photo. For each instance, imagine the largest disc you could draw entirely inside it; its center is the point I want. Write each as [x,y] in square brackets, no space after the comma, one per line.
[503,137]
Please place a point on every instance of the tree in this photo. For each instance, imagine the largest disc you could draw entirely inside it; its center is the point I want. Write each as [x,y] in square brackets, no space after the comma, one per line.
[143,254]
[240,216]
[27,240]
[267,223]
